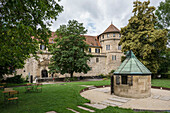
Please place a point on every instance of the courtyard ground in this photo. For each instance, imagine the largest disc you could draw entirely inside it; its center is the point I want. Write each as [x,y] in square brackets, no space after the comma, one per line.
[57,97]
[159,100]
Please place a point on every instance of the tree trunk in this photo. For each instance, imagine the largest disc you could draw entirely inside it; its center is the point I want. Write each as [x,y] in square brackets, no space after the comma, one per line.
[71,74]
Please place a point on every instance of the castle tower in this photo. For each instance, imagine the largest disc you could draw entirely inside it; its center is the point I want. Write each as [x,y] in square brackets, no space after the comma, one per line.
[109,41]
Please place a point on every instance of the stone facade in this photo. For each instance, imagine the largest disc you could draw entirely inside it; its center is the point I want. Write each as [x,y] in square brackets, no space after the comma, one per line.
[140,87]
[105,59]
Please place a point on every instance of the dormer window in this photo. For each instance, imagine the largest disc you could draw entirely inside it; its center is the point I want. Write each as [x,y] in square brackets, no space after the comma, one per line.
[113,34]
[103,36]
[42,47]
[107,35]
[97,50]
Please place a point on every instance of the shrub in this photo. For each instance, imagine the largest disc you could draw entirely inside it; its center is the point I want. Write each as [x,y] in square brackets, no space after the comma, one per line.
[16,79]
[68,79]
[101,76]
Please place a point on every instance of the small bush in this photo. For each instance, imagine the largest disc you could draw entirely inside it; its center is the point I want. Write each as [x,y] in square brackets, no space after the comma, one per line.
[110,74]
[16,79]
[101,76]
[68,79]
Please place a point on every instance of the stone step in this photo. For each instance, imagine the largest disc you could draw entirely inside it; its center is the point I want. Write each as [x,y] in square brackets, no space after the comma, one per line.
[97,106]
[118,100]
[106,104]
[73,110]
[86,109]
[113,103]
[166,98]
[156,96]
[103,90]
[123,98]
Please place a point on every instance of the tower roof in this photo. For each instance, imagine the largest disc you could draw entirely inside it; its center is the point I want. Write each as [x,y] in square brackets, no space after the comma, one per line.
[111,28]
[132,66]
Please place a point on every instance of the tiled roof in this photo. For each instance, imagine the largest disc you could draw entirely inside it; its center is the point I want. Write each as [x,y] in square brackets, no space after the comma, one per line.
[111,28]
[90,40]
[132,66]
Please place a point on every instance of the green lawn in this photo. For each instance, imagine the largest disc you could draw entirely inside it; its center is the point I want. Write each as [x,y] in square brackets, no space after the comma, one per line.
[161,82]
[56,97]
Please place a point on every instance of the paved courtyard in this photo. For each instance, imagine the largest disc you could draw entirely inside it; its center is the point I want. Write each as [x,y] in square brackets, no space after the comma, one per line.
[159,100]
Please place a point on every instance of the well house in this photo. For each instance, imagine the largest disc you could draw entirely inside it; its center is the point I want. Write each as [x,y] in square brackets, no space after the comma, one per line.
[132,78]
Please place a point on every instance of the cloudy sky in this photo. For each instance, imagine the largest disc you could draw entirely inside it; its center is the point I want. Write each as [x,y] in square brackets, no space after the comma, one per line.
[97,15]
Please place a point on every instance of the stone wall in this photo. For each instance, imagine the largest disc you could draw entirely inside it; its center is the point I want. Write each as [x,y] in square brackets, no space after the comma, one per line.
[104,65]
[141,87]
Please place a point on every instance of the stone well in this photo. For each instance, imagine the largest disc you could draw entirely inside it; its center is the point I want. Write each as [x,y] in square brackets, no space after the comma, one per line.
[132,79]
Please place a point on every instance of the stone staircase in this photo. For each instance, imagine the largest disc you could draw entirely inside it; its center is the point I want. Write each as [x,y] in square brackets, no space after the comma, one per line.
[115,101]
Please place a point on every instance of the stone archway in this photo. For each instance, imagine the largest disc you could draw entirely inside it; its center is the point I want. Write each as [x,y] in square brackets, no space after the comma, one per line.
[44,73]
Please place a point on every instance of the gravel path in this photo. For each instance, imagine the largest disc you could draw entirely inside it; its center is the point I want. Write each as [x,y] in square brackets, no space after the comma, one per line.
[159,100]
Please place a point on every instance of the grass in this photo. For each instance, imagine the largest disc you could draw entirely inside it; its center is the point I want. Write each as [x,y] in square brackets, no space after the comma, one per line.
[161,82]
[56,97]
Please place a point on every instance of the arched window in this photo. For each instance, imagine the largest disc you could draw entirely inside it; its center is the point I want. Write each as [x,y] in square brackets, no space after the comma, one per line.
[44,73]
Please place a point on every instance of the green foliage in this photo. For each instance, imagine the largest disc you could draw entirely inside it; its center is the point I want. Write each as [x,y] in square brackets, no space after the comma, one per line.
[164,66]
[163,14]
[142,38]
[163,18]
[68,79]
[16,79]
[20,21]
[68,52]
[101,76]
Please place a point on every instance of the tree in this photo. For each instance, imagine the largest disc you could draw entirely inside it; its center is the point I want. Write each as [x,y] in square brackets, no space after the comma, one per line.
[142,38]
[163,15]
[20,21]
[164,66]
[68,52]
[163,18]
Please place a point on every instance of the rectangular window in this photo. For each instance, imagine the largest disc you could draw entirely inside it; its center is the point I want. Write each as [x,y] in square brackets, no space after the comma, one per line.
[124,79]
[90,50]
[42,47]
[113,57]
[117,80]
[130,80]
[119,47]
[107,47]
[97,50]
[97,59]
[103,36]
[119,35]
[113,34]
[107,35]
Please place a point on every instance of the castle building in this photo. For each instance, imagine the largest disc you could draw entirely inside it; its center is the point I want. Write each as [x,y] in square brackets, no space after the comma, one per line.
[104,47]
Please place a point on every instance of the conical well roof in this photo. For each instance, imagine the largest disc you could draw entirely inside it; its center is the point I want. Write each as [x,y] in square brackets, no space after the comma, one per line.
[132,66]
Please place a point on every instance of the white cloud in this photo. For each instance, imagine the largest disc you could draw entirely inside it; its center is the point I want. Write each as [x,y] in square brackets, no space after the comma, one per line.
[97,15]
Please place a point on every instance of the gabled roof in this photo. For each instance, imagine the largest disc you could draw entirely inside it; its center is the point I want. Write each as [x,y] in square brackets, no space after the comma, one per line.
[92,41]
[132,66]
[111,28]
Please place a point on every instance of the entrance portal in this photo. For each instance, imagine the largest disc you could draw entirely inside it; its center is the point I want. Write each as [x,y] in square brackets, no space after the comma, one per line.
[44,73]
